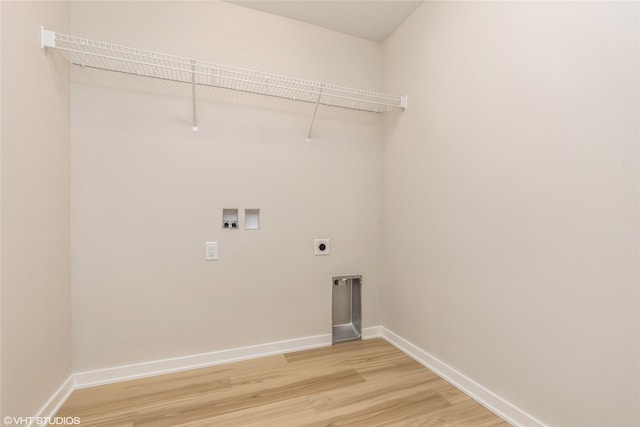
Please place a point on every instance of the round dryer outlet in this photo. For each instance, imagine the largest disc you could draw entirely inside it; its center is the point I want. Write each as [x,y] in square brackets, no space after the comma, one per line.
[321,247]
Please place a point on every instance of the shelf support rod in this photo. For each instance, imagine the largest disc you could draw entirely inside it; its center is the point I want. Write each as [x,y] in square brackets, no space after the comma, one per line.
[315,111]
[193,94]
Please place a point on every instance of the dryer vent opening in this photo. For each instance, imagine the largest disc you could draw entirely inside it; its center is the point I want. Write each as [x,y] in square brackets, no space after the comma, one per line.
[346,308]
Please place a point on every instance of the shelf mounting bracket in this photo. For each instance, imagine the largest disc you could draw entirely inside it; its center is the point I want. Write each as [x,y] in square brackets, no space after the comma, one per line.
[47,38]
[403,102]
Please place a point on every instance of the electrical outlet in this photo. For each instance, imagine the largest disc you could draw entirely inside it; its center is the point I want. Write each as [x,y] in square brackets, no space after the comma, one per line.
[321,247]
[211,251]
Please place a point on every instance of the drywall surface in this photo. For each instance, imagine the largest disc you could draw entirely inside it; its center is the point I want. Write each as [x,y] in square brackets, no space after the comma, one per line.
[515,173]
[35,193]
[148,192]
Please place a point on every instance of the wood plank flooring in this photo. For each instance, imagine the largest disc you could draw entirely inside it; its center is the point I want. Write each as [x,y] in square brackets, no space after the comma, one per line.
[363,383]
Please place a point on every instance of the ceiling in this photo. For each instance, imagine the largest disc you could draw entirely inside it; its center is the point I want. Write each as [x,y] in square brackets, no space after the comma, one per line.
[369,19]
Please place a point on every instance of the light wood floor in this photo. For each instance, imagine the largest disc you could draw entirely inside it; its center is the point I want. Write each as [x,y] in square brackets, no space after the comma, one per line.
[363,383]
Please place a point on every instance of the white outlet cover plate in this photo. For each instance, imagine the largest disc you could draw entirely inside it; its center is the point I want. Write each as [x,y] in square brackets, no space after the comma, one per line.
[316,247]
[211,251]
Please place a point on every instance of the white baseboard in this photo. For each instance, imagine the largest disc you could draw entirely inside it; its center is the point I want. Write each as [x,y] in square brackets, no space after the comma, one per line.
[372,332]
[56,401]
[485,397]
[165,366]
[477,392]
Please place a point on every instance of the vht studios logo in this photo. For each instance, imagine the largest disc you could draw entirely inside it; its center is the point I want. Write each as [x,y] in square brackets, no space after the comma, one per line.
[40,421]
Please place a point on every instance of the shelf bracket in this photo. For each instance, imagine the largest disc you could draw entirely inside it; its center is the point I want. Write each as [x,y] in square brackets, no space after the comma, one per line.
[403,102]
[47,38]
[315,111]
[193,94]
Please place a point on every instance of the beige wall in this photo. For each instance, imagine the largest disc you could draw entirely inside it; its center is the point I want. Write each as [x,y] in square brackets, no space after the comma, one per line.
[515,175]
[147,192]
[35,263]
[510,190]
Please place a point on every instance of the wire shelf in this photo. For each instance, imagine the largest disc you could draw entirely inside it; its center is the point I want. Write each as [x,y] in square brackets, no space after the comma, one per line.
[106,56]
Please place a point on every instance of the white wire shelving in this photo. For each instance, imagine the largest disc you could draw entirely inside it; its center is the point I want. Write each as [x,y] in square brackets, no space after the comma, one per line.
[105,56]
